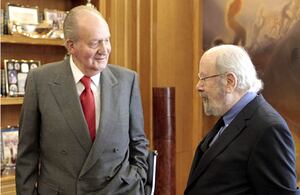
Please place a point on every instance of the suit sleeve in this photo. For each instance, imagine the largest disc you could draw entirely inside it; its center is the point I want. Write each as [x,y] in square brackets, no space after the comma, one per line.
[138,142]
[28,147]
[272,163]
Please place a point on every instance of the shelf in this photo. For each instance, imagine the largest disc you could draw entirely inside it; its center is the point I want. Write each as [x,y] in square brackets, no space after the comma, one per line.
[11,101]
[19,39]
[7,179]
[8,186]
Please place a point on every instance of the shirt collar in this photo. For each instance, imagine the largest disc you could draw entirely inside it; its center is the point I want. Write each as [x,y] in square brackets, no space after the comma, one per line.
[231,114]
[77,74]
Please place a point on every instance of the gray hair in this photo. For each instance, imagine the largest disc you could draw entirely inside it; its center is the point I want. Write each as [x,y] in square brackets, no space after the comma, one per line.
[235,59]
[70,25]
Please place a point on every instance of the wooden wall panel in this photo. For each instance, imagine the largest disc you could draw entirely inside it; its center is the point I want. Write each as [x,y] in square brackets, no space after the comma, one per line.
[177,47]
[145,59]
[161,40]
[129,22]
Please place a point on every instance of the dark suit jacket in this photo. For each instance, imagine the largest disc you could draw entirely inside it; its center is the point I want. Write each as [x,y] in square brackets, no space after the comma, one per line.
[254,155]
[55,149]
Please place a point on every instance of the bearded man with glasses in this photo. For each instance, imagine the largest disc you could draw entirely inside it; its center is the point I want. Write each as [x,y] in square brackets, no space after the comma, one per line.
[250,150]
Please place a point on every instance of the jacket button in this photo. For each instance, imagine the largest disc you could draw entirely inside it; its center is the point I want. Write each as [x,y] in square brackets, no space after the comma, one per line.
[116,149]
[63,152]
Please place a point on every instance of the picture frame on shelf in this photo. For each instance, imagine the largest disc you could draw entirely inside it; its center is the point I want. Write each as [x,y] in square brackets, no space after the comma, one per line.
[55,17]
[9,147]
[16,72]
[19,14]
[9,144]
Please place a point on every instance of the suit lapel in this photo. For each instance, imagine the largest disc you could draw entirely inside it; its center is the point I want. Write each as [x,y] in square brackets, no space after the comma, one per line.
[219,146]
[230,133]
[203,146]
[107,82]
[69,104]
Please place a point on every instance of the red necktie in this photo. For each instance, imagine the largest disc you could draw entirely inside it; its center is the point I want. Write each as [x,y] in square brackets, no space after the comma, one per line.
[88,105]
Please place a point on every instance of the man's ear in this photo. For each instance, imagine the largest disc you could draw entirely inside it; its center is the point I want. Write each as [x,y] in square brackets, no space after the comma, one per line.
[231,82]
[69,44]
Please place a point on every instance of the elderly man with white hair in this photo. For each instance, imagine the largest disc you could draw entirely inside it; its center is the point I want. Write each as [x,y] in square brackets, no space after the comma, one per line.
[250,150]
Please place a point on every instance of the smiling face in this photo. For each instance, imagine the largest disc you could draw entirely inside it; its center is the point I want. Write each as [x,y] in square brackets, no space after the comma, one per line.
[90,52]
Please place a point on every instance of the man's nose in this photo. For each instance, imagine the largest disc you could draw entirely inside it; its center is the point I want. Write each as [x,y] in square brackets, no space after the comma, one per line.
[102,47]
[199,86]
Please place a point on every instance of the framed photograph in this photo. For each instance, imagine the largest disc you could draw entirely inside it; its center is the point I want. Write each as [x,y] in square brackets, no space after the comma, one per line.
[16,73]
[55,17]
[19,14]
[9,144]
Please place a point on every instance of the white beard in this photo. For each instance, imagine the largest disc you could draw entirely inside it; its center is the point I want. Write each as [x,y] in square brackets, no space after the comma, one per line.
[216,108]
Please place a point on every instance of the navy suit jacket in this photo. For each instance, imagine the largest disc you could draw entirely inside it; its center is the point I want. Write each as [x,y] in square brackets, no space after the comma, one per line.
[254,155]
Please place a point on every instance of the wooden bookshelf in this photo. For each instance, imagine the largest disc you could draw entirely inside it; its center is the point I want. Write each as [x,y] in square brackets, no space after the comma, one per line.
[19,39]
[8,186]
[11,101]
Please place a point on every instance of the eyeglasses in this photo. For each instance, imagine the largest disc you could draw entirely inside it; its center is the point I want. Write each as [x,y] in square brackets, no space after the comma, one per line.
[211,76]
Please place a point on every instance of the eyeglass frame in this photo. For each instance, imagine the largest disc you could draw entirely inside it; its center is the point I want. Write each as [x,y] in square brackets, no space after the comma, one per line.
[211,76]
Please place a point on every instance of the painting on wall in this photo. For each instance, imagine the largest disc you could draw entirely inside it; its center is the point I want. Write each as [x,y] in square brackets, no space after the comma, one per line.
[270,32]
